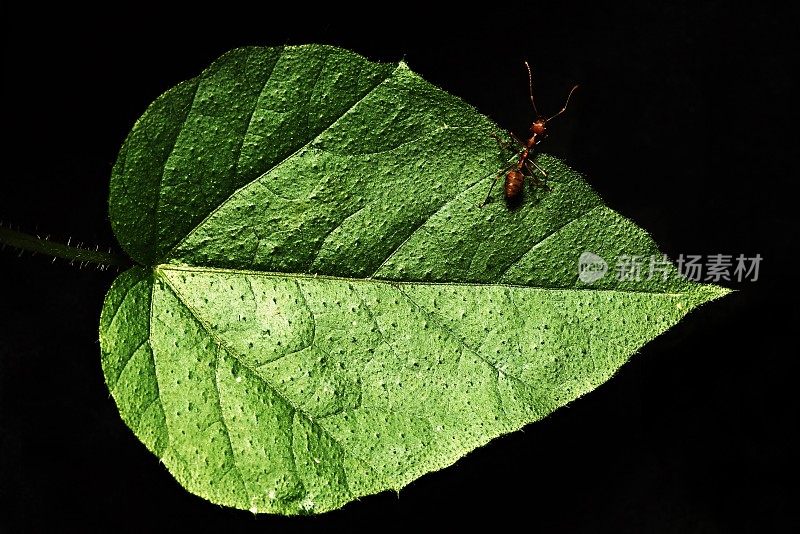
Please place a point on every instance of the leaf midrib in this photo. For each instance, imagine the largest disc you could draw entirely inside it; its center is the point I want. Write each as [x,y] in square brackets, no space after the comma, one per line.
[396,283]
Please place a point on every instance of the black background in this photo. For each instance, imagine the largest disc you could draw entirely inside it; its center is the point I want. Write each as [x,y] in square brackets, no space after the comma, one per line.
[681,124]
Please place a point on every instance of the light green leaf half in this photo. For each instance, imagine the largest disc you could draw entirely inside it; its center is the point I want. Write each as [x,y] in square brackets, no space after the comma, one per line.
[323,311]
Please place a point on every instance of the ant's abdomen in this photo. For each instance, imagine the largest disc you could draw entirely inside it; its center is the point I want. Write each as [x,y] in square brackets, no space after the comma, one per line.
[515,180]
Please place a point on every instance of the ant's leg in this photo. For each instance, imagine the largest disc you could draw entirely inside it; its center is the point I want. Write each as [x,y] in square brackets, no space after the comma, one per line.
[537,181]
[538,168]
[516,139]
[489,193]
[504,144]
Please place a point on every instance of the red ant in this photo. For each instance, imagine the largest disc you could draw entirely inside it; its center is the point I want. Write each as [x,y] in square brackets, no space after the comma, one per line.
[515,179]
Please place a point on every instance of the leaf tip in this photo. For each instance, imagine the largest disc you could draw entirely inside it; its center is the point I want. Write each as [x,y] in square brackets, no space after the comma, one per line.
[709,292]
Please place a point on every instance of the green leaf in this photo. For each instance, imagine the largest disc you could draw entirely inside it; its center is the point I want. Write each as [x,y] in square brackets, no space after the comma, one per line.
[322,310]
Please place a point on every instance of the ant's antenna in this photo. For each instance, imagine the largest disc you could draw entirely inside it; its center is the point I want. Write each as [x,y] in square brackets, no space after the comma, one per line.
[530,88]
[565,105]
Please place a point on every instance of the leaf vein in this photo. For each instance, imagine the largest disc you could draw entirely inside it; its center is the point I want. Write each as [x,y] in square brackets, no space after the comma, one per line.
[127,361]
[274,166]
[434,317]
[253,111]
[421,225]
[311,276]
[160,192]
[327,235]
[225,426]
[122,301]
[155,363]
[536,245]
[209,331]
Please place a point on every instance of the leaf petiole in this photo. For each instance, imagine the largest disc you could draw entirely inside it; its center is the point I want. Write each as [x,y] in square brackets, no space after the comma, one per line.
[36,244]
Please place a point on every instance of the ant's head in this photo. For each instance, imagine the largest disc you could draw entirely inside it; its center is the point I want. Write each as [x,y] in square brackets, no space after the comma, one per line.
[539,127]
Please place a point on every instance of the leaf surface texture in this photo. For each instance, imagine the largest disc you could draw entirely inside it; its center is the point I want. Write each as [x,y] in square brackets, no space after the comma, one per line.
[322,311]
